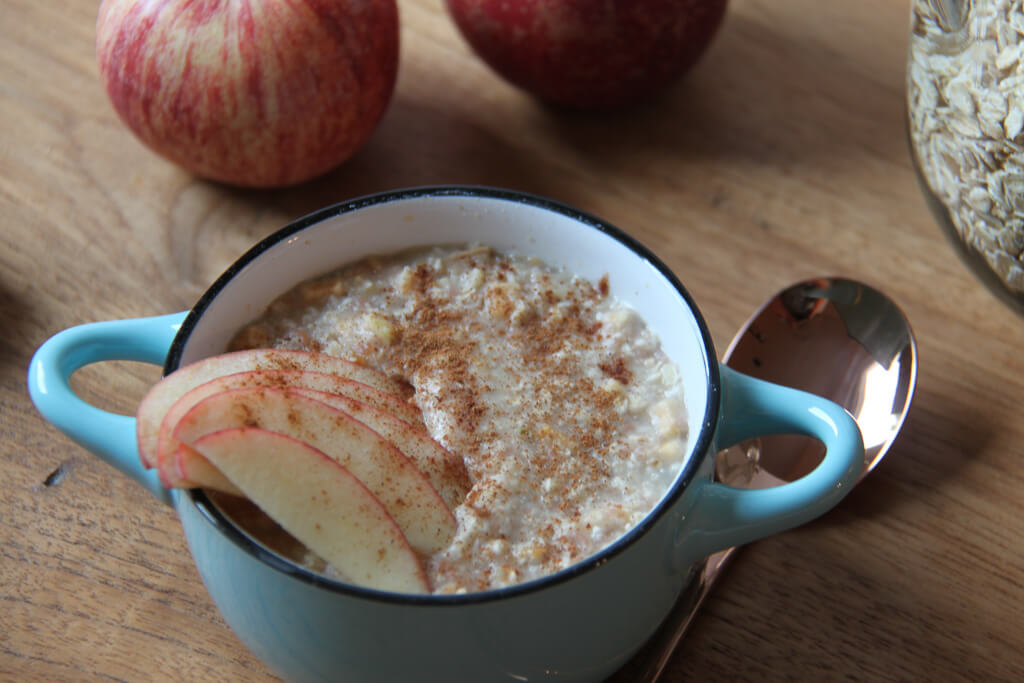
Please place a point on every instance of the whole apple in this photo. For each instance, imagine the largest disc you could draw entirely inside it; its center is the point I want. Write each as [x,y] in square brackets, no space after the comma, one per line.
[589,53]
[258,93]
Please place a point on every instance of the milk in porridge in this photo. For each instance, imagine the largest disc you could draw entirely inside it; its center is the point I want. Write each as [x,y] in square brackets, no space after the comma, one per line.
[558,398]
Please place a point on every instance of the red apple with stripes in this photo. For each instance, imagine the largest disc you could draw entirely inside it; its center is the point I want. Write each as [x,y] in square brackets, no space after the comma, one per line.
[255,93]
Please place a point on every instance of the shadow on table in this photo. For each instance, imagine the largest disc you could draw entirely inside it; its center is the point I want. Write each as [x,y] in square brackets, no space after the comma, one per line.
[15,321]
[768,97]
[938,440]
[449,149]
[776,99]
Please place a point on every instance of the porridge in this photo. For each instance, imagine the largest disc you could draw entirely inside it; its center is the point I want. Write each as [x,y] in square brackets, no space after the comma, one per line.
[559,400]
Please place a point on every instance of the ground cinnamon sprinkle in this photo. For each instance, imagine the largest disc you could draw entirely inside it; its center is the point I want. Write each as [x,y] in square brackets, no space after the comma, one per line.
[617,368]
[430,347]
[543,383]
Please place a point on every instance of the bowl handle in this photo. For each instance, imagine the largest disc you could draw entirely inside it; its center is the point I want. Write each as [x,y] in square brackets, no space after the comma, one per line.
[108,435]
[723,516]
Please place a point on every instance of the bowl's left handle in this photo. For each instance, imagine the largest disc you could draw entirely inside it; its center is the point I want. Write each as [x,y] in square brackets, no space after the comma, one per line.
[108,435]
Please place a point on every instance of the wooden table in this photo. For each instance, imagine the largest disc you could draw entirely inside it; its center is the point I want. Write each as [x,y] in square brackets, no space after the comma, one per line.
[782,156]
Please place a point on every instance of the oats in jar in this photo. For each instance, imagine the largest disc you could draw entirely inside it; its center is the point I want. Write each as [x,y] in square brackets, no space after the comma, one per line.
[965,105]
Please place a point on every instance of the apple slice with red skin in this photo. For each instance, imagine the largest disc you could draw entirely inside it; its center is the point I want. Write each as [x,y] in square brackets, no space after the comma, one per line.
[186,468]
[404,490]
[170,460]
[446,473]
[163,394]
[320,503]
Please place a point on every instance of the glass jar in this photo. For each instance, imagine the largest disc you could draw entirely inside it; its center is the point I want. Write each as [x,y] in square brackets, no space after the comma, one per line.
[965,106]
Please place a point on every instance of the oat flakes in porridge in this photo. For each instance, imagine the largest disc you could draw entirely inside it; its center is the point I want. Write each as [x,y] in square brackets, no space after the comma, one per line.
[557,396]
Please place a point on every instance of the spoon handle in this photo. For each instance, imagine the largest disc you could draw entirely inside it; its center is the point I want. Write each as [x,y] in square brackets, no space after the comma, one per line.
[679,619]
[746,474]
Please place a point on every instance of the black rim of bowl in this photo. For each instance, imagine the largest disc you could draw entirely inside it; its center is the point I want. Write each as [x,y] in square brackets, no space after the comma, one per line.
[219,520]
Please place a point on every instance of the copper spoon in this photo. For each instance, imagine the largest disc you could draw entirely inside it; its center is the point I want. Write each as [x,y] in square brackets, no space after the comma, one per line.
[833,337]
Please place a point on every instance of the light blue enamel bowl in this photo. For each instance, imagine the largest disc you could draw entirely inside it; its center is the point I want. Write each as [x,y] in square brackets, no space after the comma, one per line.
[580,624]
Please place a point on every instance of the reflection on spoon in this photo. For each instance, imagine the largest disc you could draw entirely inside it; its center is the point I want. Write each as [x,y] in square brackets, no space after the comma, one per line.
[833,337]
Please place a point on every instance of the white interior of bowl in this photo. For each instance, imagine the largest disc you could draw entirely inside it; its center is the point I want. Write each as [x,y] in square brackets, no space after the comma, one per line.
[532,228]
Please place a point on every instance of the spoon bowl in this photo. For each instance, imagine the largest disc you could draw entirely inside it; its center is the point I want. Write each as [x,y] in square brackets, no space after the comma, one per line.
[834,337]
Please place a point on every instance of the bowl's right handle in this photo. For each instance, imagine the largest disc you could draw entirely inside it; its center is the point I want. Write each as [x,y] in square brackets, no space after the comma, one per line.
[723,516]
[108,435]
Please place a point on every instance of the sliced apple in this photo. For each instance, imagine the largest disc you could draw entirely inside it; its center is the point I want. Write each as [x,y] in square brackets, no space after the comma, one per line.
[164,393]
[320,503]
[180,468]
[183,467]
[186,468]
[446,473]
[404,490]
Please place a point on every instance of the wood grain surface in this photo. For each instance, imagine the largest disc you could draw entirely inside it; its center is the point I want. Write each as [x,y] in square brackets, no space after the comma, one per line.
[781,156]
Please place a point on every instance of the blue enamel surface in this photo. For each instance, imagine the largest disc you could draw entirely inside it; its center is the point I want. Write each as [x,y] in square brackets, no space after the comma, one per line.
[108,435]
[578,631]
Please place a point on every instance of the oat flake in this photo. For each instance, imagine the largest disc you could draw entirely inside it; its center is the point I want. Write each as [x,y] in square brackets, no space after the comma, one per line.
[965,91]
